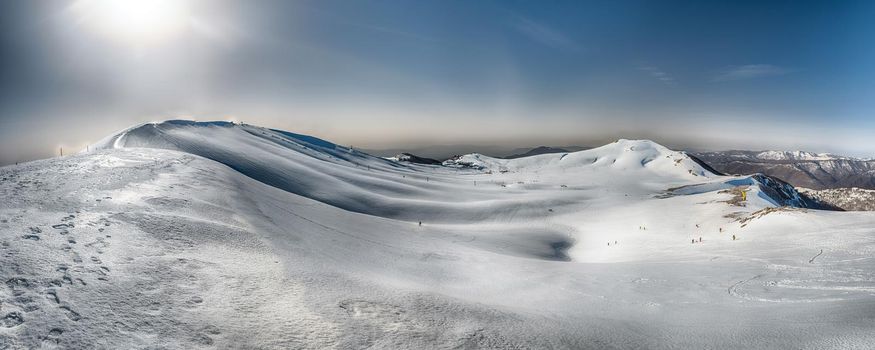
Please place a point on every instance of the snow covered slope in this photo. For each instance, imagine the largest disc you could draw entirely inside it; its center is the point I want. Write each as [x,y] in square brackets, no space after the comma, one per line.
[299,164]
[356,181]
[202,235]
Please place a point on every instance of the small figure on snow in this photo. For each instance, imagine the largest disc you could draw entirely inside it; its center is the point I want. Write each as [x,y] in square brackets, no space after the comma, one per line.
[733,237]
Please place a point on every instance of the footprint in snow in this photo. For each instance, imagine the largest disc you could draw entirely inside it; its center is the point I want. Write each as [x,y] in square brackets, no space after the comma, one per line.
[71,314]
[52,295]
[12,319]
[53,338]
[17,283]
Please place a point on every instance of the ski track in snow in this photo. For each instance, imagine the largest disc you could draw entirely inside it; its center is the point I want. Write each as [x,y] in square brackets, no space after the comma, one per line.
[811,261]
[214,235]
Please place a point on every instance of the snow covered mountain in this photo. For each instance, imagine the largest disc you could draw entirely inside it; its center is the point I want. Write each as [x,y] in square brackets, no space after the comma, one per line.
[798,156]
[803,169]
[185,234]
[412,158]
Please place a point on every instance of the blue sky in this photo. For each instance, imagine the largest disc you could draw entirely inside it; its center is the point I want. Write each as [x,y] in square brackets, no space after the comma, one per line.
[688,74]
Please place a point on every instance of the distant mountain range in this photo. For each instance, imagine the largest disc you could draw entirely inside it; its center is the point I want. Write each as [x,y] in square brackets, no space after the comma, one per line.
[536,151]
[444,152]
[440,152]
[802,169]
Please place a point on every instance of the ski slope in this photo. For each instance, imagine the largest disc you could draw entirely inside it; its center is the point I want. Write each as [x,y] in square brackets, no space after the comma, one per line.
[188,235]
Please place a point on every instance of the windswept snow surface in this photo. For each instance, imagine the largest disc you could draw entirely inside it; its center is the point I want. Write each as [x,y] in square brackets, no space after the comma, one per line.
[190,235]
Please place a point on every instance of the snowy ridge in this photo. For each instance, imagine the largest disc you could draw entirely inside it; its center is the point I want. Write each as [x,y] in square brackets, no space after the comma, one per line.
[356,181]
[300,164]
[184,235]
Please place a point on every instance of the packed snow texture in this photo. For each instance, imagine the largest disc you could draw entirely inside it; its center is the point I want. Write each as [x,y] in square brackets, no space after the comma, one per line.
[188,235]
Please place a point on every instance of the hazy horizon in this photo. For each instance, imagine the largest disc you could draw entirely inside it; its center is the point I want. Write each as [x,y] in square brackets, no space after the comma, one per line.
[395,74]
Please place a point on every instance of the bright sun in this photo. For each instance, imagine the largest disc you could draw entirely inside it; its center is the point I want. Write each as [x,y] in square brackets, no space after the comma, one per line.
[136,22]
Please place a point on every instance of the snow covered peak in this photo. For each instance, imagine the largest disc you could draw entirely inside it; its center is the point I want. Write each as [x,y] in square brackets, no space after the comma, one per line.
[641,147]
[621,155]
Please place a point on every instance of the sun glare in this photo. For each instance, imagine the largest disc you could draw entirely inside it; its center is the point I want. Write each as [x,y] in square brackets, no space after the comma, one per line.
[136,22]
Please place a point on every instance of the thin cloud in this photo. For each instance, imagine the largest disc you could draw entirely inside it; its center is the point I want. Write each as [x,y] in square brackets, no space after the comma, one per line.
[750,71]
[658,74]
[544,35]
